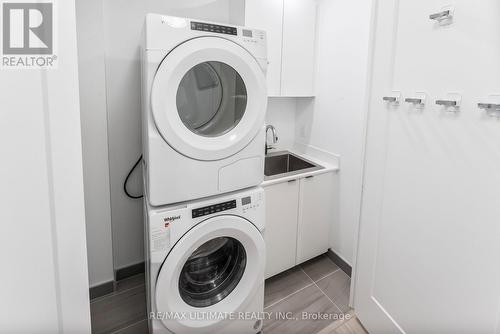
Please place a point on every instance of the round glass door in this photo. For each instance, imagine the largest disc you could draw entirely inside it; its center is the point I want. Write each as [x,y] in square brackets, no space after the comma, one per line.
[217,266]
[211,99]
[212,272]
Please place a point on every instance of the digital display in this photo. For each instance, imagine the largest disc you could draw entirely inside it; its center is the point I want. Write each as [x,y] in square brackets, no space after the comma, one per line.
[246,200]
[247,33]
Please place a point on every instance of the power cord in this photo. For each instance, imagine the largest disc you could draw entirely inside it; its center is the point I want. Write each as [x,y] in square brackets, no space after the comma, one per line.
[128,177]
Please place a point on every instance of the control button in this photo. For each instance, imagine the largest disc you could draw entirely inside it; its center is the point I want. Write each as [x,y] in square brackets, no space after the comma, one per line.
[199,212]
[214,28]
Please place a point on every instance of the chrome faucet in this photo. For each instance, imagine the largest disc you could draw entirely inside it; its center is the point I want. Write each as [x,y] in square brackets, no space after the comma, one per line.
[275,137]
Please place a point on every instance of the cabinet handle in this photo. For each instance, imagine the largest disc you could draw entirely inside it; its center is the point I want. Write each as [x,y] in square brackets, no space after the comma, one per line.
[291,181]
[309,177]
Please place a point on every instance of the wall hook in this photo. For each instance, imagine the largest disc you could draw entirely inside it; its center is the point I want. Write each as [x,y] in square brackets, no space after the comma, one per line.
[394,98]
[491,109]
[418,100]
[451,102]
[444,17]
[445,14]
[491,105]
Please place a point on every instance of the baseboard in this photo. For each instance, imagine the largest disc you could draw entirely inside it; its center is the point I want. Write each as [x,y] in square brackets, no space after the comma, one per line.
[340,262]
[122,273]
[129,271]
[102,289]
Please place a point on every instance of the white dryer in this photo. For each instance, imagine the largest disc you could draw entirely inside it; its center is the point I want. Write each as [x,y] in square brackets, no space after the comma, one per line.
[204,104]
[205,265]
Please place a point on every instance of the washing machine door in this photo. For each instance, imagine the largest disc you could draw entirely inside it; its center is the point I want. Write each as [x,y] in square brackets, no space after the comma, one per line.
[215,268]
[209,98]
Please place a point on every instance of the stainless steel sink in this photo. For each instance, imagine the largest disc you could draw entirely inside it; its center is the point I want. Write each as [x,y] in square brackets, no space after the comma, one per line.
[282,164]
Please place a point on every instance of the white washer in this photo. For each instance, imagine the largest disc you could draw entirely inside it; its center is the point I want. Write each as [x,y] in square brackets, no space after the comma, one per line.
[205,265]
[204,105]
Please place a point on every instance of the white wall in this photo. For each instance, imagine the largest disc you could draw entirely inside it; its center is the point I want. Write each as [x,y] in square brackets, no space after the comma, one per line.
[281,113]
[95,140]
[123,22]
[44,286]
[334,120]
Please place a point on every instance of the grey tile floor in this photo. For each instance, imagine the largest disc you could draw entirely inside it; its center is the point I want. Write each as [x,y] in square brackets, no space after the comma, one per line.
[123,311]
[351,326]
[296,298]
[293,300]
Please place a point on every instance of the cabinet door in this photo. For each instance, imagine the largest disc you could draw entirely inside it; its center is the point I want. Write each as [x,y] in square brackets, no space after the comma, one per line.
[315,216]
[268,15]
[298,60]
[282,201]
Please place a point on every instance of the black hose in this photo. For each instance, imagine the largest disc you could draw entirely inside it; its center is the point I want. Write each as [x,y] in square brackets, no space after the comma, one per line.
[128,177]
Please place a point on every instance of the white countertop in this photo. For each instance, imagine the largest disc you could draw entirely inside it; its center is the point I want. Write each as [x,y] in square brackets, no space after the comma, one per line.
[328,167]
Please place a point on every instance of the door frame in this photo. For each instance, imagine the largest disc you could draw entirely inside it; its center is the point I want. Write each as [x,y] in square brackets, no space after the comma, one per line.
[374,123]
[66,192]
[367,99]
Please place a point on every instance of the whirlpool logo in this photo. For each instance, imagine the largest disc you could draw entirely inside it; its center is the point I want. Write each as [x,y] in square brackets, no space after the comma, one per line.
[28,34]
[171,219]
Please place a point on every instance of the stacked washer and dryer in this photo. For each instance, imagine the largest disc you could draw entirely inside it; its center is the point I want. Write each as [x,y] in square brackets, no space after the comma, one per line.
[204,104]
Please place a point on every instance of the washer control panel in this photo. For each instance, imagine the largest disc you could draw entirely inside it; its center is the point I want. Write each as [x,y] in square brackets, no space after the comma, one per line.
[251,203]
[209,27]
[215,208]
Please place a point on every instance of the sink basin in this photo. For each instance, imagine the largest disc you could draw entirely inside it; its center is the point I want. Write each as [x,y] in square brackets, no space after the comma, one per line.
[282,164]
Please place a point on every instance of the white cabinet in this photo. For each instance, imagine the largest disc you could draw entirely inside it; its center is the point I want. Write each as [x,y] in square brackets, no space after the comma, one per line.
[291,30]
[315,214]
[299,214]
[268,15]
[298,46]
[282,201]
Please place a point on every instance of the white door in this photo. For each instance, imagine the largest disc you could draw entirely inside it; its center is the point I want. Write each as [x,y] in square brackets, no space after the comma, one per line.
[430,232]
[209,98]
[282,202]
[216,267]
[315,216]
